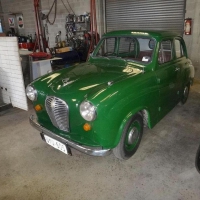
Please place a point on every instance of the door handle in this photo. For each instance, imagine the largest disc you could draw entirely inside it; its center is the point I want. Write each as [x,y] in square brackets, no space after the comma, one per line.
[177,69]
[158,80]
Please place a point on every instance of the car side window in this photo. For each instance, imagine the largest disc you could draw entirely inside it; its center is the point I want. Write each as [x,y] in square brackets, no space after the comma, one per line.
[165,51]
[107,47]
[178,48]
[126,45]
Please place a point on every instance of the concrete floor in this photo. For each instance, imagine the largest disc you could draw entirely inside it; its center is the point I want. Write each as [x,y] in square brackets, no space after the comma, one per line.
[162,169]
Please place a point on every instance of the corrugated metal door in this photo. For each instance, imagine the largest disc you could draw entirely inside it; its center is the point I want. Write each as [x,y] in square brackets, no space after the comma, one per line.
[145,14]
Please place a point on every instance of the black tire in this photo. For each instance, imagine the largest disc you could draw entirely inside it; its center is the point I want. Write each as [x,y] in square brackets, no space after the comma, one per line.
[130,139]
[185,94]
[197,161]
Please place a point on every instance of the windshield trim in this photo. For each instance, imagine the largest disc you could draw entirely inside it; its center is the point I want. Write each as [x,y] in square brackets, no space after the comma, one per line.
[118,57]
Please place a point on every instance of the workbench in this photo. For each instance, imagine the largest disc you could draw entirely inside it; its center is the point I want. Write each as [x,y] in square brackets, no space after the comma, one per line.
[34,69]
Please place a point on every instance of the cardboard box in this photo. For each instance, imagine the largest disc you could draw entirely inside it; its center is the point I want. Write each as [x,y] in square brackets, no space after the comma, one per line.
[64,49]
[2,34]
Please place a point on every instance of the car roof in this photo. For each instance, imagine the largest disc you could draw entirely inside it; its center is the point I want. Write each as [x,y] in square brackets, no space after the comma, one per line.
[151,33]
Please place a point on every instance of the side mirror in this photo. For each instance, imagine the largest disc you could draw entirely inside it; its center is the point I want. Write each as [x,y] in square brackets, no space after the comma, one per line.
[197,161]
[151,44]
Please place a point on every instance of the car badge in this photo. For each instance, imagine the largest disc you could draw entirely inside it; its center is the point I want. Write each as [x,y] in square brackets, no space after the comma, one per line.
[65,81]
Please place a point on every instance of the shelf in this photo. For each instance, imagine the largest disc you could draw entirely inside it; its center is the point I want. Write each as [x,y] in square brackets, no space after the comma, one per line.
[75,22]
[81,22]
[15,13]
[80,31]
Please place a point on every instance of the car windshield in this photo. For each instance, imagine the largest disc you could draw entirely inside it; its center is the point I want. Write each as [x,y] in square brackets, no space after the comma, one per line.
[139,49]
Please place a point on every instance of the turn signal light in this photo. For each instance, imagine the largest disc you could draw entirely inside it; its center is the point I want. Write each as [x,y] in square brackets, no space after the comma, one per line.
[87,127]
[38,108]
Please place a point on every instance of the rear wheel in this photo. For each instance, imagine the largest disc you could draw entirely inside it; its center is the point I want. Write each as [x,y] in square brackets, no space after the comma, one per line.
[185,94]
[197,161]
[130,139]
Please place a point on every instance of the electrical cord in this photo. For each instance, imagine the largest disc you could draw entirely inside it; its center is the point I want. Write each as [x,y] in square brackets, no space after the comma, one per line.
[53,5]
[70,7]
[65,6]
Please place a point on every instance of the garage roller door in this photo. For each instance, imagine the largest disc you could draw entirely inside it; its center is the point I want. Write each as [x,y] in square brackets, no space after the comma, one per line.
[145,14]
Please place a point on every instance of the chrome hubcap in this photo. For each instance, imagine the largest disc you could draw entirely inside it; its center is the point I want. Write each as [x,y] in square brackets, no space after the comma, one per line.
[133,135]
[186,92]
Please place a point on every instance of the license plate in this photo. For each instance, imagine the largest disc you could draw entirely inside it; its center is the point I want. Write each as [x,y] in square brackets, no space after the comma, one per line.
[56,144]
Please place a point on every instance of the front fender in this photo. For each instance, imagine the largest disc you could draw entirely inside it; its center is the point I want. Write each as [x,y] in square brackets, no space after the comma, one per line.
[116,104]
[146,117]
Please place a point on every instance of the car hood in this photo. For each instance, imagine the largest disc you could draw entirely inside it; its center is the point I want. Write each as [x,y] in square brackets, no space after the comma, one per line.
[87,76]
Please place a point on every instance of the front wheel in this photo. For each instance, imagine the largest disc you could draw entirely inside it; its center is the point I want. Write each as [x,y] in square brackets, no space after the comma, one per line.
[130,139]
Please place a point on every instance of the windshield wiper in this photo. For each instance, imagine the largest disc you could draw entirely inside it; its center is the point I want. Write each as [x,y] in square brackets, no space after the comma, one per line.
[116,57]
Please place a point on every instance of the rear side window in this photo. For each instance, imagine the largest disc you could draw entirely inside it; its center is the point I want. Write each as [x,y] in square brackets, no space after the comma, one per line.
[178,48]
[165,51]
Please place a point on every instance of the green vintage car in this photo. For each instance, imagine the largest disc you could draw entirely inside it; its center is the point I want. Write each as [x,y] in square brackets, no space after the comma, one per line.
[132,80]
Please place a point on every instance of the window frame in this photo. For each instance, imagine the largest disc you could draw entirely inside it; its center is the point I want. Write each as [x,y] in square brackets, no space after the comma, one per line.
[172,50]
[1,26]
[95,52]
[183,53]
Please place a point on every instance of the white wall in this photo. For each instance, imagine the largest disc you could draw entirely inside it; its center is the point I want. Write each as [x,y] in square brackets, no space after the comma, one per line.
[193,41]
[11,78]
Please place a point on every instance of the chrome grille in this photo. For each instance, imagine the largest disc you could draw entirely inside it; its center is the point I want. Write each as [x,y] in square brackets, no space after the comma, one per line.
[58,112]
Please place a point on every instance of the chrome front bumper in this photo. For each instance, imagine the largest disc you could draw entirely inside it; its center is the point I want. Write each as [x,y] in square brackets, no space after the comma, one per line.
[83,149]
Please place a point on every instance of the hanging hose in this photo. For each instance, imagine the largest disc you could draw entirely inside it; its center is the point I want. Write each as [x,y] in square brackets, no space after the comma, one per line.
[93,27]
[40,42]
[95,23]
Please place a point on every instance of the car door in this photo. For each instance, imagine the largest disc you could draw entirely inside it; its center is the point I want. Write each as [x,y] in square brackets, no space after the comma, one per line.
[167,73]
[181,62]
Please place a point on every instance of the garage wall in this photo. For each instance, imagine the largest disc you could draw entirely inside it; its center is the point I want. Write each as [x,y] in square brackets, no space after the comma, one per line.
[20,6]
[26,8]
[193,41]
[78,6]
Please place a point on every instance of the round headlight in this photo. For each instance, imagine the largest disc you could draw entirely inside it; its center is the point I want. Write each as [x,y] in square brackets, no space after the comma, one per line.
[31,93]
[88,111]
